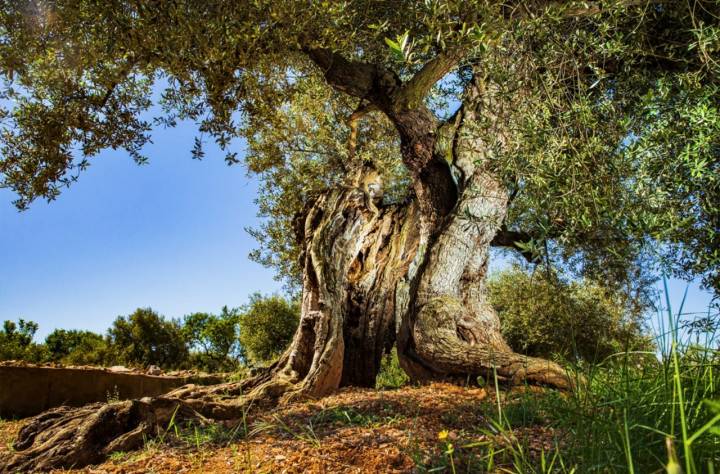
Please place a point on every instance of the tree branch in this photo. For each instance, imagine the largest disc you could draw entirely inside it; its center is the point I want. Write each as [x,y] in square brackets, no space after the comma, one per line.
[381,86]
[415,90]
[358,79]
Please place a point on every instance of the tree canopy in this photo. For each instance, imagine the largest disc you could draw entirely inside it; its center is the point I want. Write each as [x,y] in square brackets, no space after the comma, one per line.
[611,158]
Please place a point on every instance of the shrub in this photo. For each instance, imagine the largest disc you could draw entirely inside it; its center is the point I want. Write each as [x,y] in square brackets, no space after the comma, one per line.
[267,326]
[543,316]
[391,375]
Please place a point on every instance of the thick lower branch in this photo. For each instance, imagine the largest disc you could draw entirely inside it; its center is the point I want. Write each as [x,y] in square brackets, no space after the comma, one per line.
[356,78]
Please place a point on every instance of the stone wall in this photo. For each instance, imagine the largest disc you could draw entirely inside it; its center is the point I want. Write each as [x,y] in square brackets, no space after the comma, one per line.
[29,390]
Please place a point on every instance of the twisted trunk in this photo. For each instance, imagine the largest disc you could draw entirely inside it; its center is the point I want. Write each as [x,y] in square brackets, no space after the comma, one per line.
[411,274]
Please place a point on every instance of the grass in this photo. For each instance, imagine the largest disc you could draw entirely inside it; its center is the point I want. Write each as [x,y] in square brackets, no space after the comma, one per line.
[350,416]
[114,396]
[306,432]
[635,413]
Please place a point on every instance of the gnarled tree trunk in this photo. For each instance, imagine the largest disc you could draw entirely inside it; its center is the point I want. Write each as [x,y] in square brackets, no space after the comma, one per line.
[411,274]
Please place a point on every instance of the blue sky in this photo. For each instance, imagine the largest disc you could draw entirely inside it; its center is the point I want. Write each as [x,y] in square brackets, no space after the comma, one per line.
[169,235]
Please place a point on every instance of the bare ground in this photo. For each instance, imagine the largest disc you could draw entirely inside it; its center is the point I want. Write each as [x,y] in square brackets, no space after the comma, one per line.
[353,431]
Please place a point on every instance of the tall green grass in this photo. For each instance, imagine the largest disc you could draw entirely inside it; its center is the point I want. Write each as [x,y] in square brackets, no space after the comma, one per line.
[646,412]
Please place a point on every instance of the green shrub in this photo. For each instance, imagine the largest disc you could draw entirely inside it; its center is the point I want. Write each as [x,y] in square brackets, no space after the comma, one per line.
[391,375]
[74,347]
[545,316]
[267,326]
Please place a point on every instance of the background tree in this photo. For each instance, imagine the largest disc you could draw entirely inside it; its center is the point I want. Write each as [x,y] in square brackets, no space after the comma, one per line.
[550,145]
[267,325]
[16,342]
[145,338]
[214,339]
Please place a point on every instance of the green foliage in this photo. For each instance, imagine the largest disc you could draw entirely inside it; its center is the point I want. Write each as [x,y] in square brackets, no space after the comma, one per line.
[267,325]
[214,339]
[391,375]
[16,342]
[627,418]
[578,181]
[145,338]
[681,195]
[610,150]
[545,316]
[74,347]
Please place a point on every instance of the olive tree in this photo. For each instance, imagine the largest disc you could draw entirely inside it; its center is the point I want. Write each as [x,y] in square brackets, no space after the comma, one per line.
[583,133]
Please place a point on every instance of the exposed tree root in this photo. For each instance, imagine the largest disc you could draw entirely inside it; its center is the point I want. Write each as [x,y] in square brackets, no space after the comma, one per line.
[68,437]
[74,437]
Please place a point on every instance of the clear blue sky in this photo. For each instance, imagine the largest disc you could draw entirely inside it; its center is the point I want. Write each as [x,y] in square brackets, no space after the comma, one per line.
[169,235]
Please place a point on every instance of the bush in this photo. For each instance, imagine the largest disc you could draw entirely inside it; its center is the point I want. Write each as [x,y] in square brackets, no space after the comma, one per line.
[544,316]
[145,338]
[267,326]
[391,375]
